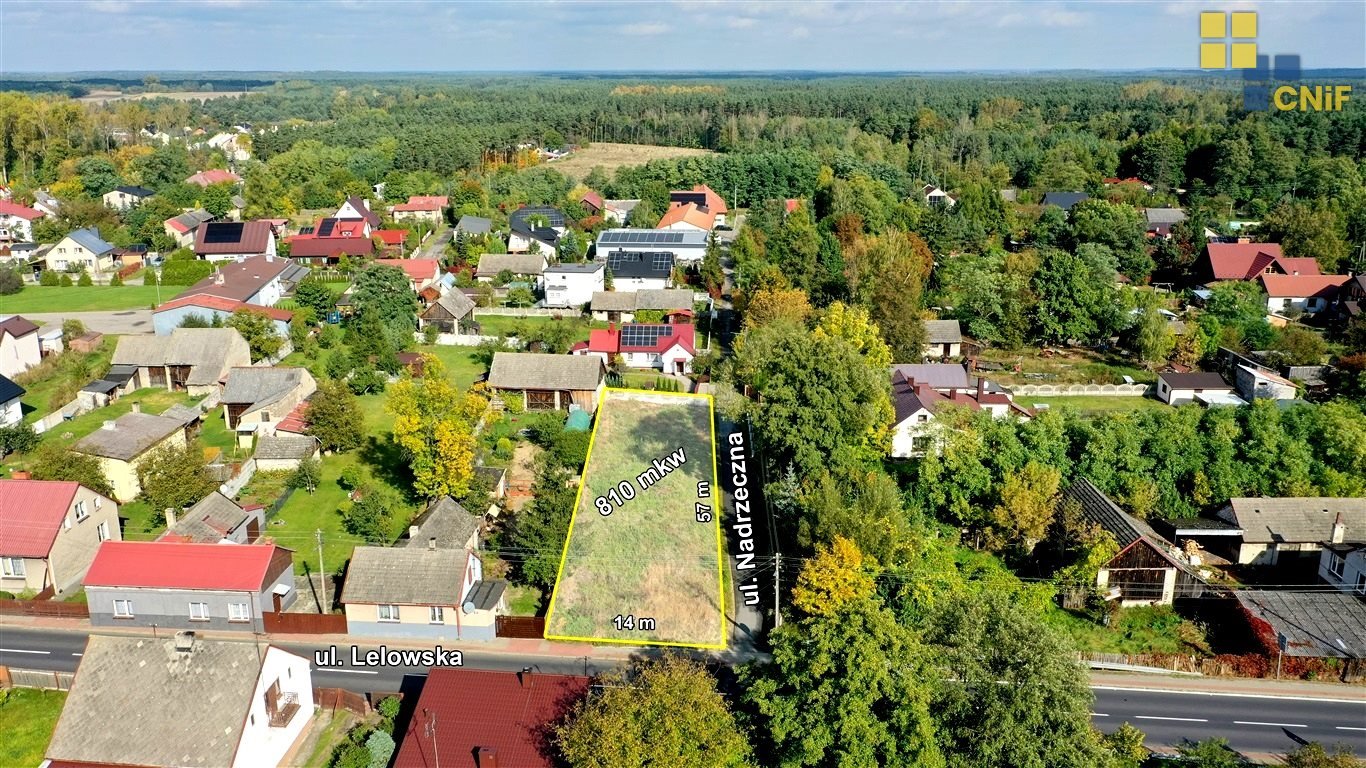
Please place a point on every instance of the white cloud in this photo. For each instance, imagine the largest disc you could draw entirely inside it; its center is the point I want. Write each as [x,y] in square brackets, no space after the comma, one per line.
[800,33]
[645,29]
[741,22]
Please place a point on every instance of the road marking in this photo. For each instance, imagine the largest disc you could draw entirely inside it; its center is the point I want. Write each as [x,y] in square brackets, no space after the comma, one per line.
[1277,725]
[21,650]
[348,671]
[1227,695]
[77,654]
[1174,719]
[1097,714]
[1349,728]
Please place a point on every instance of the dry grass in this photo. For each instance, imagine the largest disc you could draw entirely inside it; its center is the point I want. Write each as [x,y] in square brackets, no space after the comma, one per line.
[650,557]
[613,156]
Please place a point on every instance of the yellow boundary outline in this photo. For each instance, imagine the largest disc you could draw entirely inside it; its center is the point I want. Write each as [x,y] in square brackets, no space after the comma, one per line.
[717,510]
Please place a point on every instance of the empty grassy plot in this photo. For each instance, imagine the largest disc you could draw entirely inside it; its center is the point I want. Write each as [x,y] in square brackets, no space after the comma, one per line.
[642,563]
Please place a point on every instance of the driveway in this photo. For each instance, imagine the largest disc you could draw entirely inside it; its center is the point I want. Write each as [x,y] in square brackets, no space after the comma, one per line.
[122,321]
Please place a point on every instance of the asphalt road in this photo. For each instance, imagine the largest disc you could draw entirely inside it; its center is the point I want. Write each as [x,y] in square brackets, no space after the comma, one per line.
[122,321]
[1253,724]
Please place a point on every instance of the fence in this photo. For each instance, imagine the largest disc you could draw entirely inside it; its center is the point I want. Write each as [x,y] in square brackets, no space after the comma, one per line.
[333,699]
[234,484]
[1238,665]
[526,627]
[304,623]
[35,678]
[44,608]
[463,340]
[524,312]
[1076,390]
[69,411]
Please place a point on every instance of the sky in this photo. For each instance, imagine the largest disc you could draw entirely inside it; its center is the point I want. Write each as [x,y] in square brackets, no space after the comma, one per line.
[668,35]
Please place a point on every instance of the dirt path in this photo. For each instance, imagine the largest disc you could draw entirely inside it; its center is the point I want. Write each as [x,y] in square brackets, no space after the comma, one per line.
[521,475]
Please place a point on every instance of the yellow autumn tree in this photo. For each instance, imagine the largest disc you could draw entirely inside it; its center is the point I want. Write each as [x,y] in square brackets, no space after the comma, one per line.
[838,575]
[853,324]
[769,305]
[434,426]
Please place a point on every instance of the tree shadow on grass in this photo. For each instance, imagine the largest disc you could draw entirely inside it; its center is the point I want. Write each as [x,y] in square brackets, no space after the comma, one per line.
[388,464]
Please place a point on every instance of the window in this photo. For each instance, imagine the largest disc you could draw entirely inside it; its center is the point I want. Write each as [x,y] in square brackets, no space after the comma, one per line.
[99,502]
[1335,563]
[1361,583]
[103,530]
[12,566]
[81,513]
[922,418]
[199,611]
[438,615]
[388,613]
[239,612]
[123,609]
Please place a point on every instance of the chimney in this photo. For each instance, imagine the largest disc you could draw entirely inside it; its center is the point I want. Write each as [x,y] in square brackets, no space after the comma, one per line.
[981,388]
[524,677]
[184,641]
[431,543]
[486,757]
[612,327]
[1339,530]
[270,258]
[107,425]
[412,531]
[19,474]
[137,407]
[170,517]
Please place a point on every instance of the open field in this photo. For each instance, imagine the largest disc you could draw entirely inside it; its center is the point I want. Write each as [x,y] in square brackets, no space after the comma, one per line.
[29,717]
[613,156]
[1090,405]
[1031,365]
[648,572]
[76,298]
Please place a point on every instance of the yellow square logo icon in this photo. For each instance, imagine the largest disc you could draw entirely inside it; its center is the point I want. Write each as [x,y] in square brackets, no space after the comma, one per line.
[1244,56]
[1212,56]
[1244,26]
[1213,24]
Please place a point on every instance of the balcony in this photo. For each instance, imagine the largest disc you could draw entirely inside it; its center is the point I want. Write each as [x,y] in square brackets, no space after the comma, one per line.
[285,708]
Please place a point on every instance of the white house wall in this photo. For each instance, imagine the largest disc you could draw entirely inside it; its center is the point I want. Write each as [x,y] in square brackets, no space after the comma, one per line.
[262,746]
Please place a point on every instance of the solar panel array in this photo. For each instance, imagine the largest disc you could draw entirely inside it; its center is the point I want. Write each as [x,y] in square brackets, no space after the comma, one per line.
[663,262]
[325,228]
[644,236]
[643,335]
[621,262]
[223,232]
[553,217]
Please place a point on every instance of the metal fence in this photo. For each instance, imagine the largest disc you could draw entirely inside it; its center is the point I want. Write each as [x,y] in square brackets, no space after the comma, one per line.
[526,627]
[304,623]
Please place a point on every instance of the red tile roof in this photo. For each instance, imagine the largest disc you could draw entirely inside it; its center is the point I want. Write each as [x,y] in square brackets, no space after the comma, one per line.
[31,513]
[418,270]
[308,246]
[1298,265]
[391,236]
[496,710]
[791,204]
[688,213]
[1303,286]
[213,176]
[609,340]
[295,422]
[422,203]
[715,204]
[593,200]
[8,208]
[1242,261]
[173,565]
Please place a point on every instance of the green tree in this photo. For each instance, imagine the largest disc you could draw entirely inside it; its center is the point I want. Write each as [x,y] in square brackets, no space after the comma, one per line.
[166,165]
[258,329]
[1303,230]
[643,216]
[1294,345]
[1076,294]
[1028,499]
[84,280]
[1117,227]
[370,517]
[11,281]
[1314,755]
[539,530]
[307,475]
[315,295]
[98,175]
[175,477]
[1210,753]
[1154,340]
[888,273]
[664,712]
[217,198]
[434,426]
[334,416]
[386,292]
[54,462]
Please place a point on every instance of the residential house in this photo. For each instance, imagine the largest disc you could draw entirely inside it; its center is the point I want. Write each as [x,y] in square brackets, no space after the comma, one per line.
[592,203]
[935,196]
[426,208]
[20,348]
[476,719]
[327,241]
[124,443]
[943,377]
[49,532]
[943,338]
[196,360]
[82,250]
[621,306]
[420,272]
[11,407]
[1064,200]
[445,524]
[451,312]
[704,198]
[284,451]
[185,227]
[1205,387]
[46,203]
[50,339]
[573,285]
[1261,384]
[1246,260]
[168,317]
[618,211]
[918,403]
[533,217]
[669,347]
[1322,624]
[215,519]
[256,398]
[213,176]
[123,198]
[686,246]
[1282,529]
[422,591]
[16,222]
[1160,220]
[234,240]
[1310,294]
[1354,297]
[356,208]
[527,239]
[231,145]
[390,241]
[473,226]
[187,585]
[548,382]
[1148,570]
[178,700]
[1344,566]
[637,270]
[260,280]
[687,217]
[528,266]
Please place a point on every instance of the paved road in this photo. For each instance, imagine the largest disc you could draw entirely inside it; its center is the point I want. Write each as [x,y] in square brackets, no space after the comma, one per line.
[117,321]
[1254,723]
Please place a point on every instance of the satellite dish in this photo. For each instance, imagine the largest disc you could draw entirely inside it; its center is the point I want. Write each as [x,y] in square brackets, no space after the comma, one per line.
[468,607]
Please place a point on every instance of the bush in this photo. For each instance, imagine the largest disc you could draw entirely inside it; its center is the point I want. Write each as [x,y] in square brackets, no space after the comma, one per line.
[514,404]
[351,478]
[307,476]
[503,450]
[429,333]
[19,438]
[11,282]
[116,280]
[84,280]
[49,278]
[351,756]
[330,336]
[64,281]
[71,328]
[388,707]
[381,748]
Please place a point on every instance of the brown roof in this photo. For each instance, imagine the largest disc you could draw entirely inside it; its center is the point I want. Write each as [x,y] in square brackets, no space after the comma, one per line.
[219,237]
[17,326]
[239,281]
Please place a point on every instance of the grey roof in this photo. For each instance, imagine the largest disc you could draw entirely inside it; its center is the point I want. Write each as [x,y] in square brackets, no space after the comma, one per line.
[1102,511]
[285,445]
[131,435]
[943,332]
[1195,380]
[238,201]
[206,350]
[664,298]
[101,386]
[89,239]
[1296,519]
[121,373]
[185,414]
[490,264]
[135,191]
[585,268]
[404,576]
[1164,215]
[937,375]
[155,705]
[531,370]
[210,520]
[614,301]
[258,387]
[1327,623]
[624,206]
[458,304]
[1064,200]
[484,595]
[474,225]
[192,219]
[446,521]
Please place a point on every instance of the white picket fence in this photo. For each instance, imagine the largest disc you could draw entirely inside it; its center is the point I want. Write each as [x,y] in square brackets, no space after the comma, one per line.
[464,340]
[1076,390]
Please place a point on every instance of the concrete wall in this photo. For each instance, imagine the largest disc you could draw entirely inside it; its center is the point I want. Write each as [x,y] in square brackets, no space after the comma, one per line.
[262,745]
[1064,390]
[18,355]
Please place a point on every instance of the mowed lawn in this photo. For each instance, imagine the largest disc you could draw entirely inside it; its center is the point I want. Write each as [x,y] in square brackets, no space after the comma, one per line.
[92,298]
[1091,405]
[650,558]
[27,718]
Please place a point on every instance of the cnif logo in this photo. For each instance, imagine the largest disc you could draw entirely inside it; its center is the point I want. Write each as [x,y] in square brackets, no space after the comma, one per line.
[1265,86]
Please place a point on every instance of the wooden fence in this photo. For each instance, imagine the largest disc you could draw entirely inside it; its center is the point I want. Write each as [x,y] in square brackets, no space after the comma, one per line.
[304,623]
[526,627]
[44,608]
[333,699]
[35,678]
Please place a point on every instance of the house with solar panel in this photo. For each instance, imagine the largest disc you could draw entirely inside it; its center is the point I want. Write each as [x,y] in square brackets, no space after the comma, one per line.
[686,246]
[640,270]
[667,347]
[234,240]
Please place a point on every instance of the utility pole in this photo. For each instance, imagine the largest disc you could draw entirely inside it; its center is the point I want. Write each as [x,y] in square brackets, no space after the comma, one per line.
[322,571]
[777,575]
